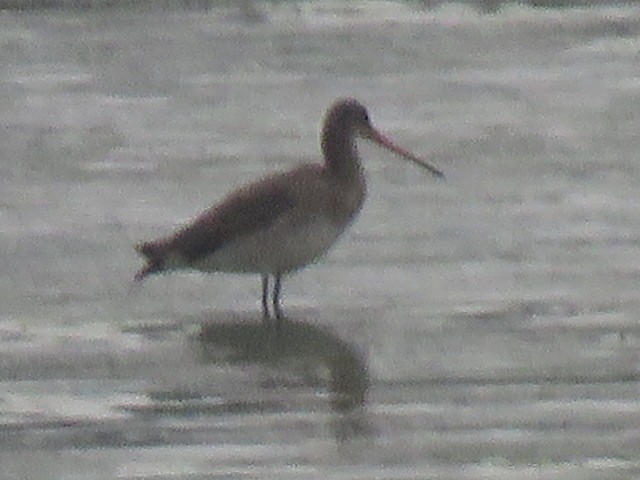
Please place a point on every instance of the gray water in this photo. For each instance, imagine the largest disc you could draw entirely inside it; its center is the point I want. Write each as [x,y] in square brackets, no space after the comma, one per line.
[481,327]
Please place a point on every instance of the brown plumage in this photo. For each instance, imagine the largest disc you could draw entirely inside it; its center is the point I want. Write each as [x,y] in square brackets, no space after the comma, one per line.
[283,222]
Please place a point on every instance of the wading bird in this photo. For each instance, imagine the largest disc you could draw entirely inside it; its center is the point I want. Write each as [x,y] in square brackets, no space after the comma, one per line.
[283,222]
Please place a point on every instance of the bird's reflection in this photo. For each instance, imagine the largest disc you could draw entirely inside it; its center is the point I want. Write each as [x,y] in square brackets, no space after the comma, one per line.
[290,344]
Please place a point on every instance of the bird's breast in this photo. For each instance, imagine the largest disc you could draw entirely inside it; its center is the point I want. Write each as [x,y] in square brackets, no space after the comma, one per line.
[347,200]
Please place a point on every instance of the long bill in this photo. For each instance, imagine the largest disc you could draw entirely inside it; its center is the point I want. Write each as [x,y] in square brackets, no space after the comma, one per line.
[385,142]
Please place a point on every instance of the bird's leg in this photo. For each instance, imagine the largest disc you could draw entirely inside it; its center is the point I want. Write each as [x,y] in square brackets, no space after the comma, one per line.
[277,288]
[265,297]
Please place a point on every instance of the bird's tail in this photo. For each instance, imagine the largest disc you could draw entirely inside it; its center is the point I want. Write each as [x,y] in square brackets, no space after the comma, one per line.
[154,253]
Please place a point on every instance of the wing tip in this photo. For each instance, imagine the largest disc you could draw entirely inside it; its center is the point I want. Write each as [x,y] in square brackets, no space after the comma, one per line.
[152,251]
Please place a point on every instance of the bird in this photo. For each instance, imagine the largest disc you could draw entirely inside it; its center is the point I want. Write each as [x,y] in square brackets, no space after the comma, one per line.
[285,221]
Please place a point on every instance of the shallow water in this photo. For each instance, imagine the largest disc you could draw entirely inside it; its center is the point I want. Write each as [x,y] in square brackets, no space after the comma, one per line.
[482,327]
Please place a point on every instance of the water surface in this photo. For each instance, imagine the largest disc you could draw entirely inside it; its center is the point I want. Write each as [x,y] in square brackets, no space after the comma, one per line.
[482,327]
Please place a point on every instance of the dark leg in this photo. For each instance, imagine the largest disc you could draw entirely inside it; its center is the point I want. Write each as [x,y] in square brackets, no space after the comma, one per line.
[265,297]
[277,288]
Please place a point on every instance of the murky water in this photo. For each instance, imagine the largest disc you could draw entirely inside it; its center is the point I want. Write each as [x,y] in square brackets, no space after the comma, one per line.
[482,327]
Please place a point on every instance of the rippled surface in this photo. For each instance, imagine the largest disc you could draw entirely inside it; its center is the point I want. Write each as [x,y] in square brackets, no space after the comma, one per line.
[482,327]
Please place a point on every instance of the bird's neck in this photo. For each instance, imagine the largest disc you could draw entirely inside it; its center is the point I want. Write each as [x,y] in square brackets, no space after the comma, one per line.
[340,152]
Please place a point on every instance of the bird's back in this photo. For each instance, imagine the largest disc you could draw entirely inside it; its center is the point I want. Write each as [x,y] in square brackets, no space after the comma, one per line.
[260,220]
